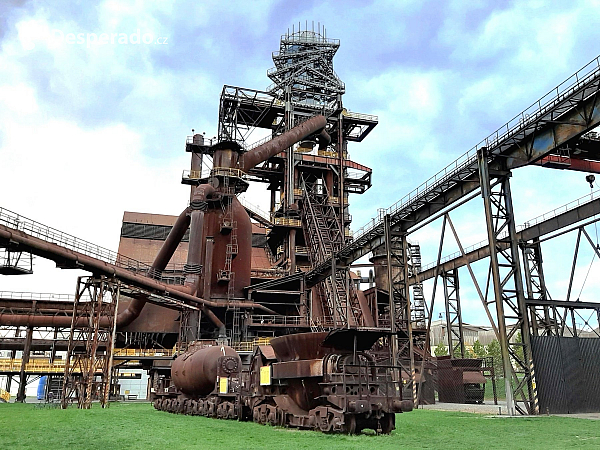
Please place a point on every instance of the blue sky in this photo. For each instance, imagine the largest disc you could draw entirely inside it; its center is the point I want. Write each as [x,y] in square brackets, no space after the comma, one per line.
[83,126]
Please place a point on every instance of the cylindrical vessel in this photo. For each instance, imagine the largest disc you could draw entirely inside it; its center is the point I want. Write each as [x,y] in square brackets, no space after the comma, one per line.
[240,264]
[195,372]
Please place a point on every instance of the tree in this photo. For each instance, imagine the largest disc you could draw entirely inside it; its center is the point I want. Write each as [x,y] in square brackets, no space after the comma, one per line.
[479,349]
[440,350]
[519,348]
[493,350]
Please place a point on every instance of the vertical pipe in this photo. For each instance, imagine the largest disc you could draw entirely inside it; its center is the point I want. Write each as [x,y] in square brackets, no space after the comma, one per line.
[210,242]
[292,250]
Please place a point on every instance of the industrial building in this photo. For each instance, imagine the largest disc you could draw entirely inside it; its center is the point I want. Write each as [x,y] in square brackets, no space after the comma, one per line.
[225,273]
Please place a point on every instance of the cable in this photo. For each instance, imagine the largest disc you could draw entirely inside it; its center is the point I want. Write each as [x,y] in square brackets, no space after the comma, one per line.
[586,276]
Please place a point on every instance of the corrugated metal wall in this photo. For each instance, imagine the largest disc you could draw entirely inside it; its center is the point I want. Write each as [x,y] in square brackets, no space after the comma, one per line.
[567,372]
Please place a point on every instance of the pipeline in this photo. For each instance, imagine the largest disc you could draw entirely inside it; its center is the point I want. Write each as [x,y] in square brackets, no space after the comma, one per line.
[160,262]
[198,204]
[97,266]
[281,142]
[324,139]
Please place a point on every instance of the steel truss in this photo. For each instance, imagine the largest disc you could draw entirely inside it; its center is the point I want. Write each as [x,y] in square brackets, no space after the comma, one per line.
[454,323]
[556,317]
[96,301]
[397,256]
[509,296]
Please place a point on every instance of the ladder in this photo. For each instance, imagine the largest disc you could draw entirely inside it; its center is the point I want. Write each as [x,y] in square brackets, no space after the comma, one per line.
[229,225]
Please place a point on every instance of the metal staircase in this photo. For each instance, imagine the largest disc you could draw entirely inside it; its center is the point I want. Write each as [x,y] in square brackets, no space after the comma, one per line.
[418,309]
[324,236]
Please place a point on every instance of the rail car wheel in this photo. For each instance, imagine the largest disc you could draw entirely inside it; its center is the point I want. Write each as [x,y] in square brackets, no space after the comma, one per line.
[271,415]
[255,414]
[350,426]
[388,423]
[324,422]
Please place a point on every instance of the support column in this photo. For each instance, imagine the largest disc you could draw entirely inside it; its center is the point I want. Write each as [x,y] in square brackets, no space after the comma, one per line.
[24,360]
[535,283]
[508,290]
[400,308]
[454,324]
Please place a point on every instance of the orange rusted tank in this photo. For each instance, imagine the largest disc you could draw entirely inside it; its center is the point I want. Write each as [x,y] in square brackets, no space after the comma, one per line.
[195,372]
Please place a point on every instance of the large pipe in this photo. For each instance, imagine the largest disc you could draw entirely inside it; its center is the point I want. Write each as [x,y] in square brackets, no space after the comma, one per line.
[160,262]
[324,139]
[45,249]
[198,205]
[281,142]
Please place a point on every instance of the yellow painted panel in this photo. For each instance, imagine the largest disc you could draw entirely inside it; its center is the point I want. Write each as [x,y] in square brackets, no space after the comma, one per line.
[265,376]
[223,385]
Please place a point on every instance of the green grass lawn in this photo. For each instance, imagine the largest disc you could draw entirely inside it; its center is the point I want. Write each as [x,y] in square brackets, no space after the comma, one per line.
[138,425]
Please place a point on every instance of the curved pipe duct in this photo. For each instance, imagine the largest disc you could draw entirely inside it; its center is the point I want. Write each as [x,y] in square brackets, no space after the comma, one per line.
[247,162]
[281,142]
[160,262]
[324,139]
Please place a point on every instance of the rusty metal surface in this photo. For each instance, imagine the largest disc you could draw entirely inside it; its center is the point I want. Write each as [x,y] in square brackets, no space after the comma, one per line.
[299,346]
[267,352]
[280,143]
[195,371]
[305,368]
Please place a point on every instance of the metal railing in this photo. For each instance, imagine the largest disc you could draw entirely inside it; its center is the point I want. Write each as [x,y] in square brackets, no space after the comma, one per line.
[51,235]
[136,352]
[42,365]
[38,296]
[518,123]
[206,141]
[360,116]
[262,319]
[255,209]
[247,346]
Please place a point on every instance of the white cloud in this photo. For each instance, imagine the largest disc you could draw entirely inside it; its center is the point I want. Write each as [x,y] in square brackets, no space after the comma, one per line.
[82,127]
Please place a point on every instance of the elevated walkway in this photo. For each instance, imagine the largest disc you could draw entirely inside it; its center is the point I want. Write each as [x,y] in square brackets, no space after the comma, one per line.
[536,132]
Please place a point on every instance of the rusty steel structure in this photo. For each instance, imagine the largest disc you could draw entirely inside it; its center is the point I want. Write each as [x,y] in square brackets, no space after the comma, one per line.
[306,297]
[318,380]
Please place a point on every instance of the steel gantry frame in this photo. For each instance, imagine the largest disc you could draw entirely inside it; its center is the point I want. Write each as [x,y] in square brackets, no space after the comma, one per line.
[95,298]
